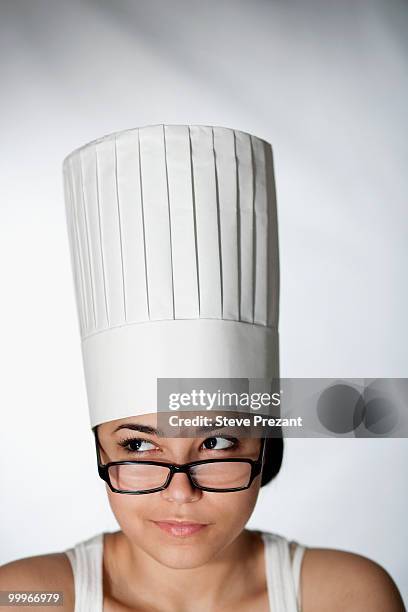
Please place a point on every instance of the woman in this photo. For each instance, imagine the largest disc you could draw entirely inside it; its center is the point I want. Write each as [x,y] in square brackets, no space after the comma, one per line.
[174,247]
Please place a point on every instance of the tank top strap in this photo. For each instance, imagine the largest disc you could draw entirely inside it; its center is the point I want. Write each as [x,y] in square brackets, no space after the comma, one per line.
[296,569]
[87,562]
[282,574]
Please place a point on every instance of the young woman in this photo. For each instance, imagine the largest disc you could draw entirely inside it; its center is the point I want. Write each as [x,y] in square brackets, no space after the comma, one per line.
[173,241]
[182,548]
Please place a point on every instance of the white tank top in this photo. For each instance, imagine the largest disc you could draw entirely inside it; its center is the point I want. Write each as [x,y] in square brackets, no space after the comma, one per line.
[282,575]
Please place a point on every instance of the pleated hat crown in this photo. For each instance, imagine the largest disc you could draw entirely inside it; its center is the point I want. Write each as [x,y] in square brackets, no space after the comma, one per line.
[174,249]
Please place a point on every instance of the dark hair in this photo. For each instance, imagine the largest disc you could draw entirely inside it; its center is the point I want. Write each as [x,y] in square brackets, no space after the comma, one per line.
[273,459]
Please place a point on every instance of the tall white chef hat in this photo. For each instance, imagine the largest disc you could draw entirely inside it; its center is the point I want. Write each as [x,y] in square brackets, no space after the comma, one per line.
[174,248]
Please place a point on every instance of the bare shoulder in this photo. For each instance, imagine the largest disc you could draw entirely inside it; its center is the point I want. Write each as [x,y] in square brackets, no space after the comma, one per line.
[49,573]
[346,582]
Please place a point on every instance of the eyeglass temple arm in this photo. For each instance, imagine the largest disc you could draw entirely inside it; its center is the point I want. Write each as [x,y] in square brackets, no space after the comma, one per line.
[261,457]
[98,454]
[263,449]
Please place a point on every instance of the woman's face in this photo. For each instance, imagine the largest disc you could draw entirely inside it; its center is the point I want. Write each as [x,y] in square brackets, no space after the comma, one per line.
[145,519]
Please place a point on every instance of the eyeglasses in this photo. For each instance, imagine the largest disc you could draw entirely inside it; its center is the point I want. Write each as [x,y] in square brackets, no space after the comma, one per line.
[214,475]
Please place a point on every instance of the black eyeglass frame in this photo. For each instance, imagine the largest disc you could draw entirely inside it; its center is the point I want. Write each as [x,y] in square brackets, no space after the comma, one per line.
[174,468]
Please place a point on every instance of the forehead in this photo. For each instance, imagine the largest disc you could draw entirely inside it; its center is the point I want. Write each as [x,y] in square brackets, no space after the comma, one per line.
[149,420]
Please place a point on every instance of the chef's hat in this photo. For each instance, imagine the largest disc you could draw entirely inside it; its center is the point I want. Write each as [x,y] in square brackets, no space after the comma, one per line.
[174,248]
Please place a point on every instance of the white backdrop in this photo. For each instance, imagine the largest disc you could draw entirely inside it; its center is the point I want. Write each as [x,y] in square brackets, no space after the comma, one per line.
[326,83]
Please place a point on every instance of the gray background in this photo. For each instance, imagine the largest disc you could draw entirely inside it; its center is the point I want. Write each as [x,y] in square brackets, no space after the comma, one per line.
[325,82]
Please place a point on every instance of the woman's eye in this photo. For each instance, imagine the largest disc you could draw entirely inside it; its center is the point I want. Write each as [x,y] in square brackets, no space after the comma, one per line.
[218,443]
[137,445]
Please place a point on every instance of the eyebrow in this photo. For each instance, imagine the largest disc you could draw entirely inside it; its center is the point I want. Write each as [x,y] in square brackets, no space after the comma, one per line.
[207,428]
[147,429]
[139,427]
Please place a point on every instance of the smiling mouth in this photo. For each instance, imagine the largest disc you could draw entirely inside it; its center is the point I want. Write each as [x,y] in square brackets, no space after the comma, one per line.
[180,529]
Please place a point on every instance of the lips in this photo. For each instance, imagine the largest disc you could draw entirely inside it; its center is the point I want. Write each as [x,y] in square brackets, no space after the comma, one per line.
[180,529]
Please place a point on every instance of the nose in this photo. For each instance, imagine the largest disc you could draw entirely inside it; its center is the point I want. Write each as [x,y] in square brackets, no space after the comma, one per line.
[181,491]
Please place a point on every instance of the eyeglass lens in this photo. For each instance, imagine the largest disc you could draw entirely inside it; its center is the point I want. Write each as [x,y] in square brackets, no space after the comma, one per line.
[217,475]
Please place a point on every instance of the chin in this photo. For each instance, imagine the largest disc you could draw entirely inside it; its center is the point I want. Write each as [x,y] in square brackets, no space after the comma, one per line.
[175,557]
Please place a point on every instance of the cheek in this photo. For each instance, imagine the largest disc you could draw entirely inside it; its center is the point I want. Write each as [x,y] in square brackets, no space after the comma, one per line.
[238,507]
[131,511]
